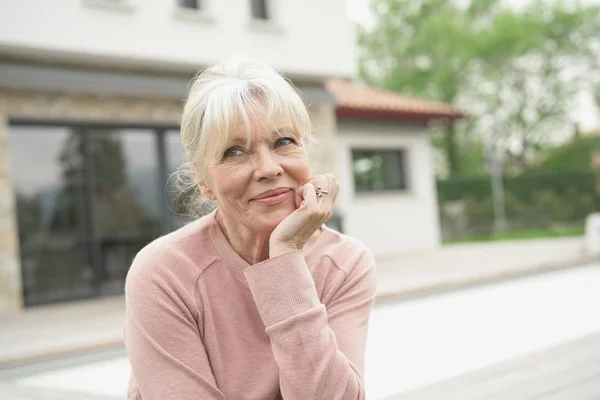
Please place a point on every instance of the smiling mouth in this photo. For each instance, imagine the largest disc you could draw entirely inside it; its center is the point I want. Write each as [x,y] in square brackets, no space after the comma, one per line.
[273,199]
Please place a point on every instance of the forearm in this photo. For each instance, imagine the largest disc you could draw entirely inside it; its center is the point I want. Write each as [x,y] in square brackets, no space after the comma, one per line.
[305,347]
[310,361]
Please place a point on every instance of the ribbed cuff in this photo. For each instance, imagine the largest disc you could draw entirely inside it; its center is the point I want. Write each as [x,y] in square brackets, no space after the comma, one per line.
[282,287]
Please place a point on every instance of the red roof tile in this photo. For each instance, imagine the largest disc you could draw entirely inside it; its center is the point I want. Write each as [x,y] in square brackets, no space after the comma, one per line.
[358,101]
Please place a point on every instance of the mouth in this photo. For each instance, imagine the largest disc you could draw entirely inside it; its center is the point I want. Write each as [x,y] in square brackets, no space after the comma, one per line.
[272,197]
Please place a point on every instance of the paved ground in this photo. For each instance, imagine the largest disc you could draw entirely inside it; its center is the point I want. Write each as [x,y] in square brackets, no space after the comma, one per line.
[59,329]
[418,346]
[11,391]
[421,341]
[566,372]
[461,265]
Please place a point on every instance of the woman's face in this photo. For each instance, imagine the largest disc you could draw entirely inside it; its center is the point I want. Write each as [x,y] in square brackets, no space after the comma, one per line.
[255,183]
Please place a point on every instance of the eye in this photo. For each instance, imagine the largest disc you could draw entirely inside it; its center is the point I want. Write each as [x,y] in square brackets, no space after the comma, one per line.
[232,152]
[284,141]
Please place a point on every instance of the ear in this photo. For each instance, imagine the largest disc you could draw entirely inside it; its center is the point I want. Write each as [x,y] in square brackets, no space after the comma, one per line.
[206,191]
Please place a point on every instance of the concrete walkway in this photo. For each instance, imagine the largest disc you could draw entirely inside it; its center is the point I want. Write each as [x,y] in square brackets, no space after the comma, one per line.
[457,266]
[570,371]
[57,330]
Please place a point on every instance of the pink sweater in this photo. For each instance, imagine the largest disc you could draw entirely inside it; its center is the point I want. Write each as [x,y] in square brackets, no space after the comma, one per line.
[203,324]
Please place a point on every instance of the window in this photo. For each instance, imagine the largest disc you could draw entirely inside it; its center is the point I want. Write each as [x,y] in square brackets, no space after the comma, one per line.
[260,9]
[379,170]
[47,173]
[190,4]
[88,199]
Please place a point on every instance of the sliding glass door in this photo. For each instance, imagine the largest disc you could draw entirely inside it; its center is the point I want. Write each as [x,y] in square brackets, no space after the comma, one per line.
[87,200]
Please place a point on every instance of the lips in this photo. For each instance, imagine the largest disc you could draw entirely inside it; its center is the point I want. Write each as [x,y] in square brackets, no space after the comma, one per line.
[272,197]
[271,193]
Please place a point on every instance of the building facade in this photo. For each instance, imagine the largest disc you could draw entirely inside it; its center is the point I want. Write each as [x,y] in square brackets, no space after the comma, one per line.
[91,93]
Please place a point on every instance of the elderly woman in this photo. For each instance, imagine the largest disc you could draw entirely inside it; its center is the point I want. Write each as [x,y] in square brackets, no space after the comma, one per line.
[258,299]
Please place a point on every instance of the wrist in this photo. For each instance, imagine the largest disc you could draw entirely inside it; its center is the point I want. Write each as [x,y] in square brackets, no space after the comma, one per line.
[277,249]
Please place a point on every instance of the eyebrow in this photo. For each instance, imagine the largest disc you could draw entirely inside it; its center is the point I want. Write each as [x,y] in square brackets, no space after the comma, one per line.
[239,140]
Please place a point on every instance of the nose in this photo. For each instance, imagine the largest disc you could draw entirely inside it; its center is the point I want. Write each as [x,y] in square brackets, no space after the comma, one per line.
[266,165]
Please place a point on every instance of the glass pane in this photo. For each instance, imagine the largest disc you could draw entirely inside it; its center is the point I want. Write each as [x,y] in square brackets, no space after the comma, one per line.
[193,4]
[48,175]
[126,199]
[179,202]
[175,151]
[259,9]
[376,170]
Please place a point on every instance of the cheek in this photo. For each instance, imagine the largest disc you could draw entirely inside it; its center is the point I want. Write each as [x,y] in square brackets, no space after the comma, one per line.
[232,180]
[299,169]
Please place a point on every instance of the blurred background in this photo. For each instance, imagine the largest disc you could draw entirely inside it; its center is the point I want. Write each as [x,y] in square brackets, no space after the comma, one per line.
[465,136]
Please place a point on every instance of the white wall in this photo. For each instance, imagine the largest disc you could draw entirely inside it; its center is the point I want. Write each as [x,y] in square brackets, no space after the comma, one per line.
[308,37]
[395,222]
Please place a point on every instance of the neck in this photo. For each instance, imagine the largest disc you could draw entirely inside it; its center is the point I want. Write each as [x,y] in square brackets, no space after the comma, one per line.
[252,246]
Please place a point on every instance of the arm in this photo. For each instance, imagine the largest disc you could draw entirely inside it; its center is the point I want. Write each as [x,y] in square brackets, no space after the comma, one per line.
[167,356]
[319,350]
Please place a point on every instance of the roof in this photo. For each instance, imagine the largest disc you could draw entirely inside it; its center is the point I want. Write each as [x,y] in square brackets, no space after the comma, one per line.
[359,101]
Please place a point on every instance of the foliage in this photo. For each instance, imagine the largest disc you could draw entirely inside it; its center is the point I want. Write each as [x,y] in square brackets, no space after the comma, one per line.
[575,230]
[533,200]
[514,70]
[574,156]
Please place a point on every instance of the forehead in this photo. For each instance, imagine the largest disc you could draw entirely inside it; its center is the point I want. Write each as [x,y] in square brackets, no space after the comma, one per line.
[256,129]
[259,135]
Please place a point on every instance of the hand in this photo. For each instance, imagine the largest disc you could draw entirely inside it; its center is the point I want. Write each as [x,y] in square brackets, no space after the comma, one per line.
[312,211]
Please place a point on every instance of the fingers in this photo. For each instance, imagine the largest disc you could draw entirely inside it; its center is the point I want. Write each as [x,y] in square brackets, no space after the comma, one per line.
[321,207]
[309,194]
[328,183]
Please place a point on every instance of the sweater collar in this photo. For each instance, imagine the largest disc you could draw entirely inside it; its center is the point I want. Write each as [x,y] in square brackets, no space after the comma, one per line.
[236,263]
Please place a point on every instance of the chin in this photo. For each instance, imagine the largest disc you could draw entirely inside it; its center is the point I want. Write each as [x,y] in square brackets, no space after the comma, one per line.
[269,221]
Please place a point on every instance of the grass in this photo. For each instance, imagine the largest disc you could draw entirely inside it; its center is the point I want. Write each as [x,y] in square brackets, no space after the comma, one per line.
[522,234]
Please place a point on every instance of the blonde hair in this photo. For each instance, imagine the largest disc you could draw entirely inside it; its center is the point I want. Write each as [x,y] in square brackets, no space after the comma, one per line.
[221,97]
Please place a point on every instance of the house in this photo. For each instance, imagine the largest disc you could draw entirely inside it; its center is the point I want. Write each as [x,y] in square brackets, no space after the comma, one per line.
[90,99]
[388,196]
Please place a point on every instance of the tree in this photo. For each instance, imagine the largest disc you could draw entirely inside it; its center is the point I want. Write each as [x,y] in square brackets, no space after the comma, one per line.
[422,48]
[551,55]
[513,70]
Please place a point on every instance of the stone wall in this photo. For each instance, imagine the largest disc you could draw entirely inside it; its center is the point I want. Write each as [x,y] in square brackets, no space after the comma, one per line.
[88,108]
[323,154]
[10,273]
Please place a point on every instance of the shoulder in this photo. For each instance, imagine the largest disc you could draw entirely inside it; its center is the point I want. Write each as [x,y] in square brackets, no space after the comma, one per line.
[348,265]
[177,257]
[346,253]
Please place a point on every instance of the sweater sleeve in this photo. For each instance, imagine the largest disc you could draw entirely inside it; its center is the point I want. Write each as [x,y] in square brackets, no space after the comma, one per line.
[319,350]
[165,349]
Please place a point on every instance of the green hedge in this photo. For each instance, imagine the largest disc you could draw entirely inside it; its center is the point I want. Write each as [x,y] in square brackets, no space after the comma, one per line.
[532,200]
